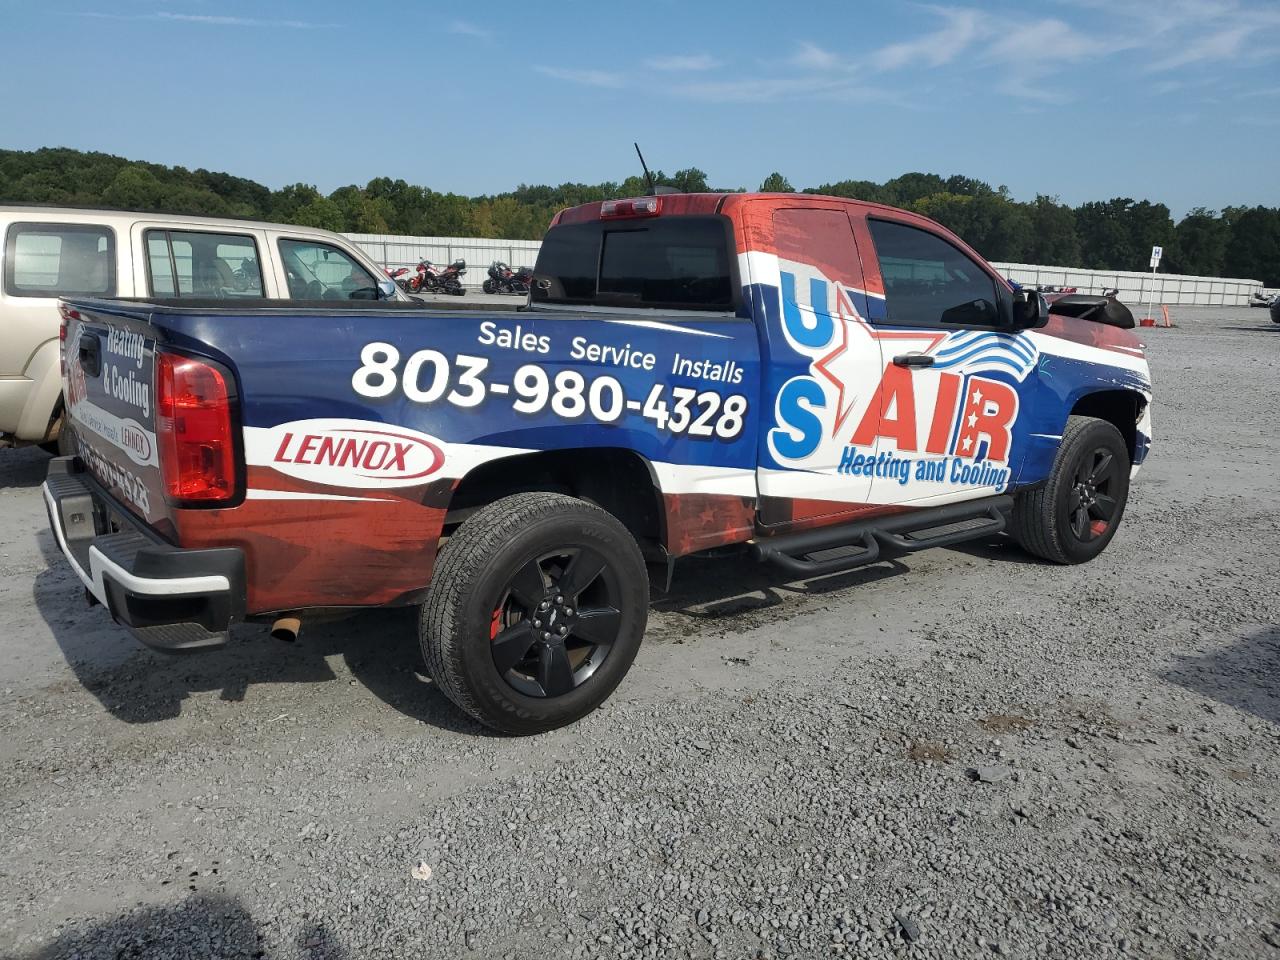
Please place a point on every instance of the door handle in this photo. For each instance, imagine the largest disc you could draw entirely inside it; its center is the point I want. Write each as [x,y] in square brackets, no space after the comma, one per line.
[913,360]
[90,353]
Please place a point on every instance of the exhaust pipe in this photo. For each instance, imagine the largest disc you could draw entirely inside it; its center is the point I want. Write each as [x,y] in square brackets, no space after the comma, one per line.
[287,628]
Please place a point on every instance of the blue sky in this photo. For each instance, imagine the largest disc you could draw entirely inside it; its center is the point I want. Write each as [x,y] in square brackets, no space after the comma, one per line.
[1170,100]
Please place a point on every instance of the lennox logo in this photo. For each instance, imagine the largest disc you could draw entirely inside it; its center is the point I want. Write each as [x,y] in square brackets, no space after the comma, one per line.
[349,453]
[136,443]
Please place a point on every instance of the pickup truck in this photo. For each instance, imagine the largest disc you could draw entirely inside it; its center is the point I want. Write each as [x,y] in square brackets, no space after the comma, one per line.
[817,381]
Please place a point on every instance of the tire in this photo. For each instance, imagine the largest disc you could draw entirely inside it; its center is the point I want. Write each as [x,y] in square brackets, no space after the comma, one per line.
[488,286]
[1052,521]
[498,575]
[64,445]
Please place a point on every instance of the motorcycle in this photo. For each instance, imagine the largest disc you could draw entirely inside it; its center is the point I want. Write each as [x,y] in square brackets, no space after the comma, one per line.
[502,279]
[400,276]
[430,278]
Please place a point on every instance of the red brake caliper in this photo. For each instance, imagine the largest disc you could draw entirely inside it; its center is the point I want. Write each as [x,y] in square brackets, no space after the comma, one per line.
[495,623]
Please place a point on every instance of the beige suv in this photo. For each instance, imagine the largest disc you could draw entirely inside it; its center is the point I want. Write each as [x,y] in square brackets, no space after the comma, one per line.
[50,252]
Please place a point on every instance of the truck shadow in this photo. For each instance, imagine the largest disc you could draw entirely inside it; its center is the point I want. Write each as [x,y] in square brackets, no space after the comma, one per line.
[22,468]
[712,588]
[379,648]
[1244,675]
[138,685]
[204,925]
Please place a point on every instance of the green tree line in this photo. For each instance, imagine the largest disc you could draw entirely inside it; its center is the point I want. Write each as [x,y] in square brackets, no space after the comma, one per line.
[1115,234]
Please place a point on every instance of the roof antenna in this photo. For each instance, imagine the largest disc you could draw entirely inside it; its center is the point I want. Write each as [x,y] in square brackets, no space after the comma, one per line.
[653,190]
[645,167]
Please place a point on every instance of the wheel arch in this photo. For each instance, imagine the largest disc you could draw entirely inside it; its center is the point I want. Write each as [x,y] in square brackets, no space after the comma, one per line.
[616,479]
[43,399]
[1124,409]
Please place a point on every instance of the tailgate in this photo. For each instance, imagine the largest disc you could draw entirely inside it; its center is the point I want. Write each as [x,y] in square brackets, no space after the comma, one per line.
[109,386]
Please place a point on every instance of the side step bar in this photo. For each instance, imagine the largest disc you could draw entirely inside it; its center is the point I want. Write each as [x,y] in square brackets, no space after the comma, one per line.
[857,544]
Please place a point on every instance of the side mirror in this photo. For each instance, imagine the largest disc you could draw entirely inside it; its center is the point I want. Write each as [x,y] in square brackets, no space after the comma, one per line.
[1030,310]
[386,289]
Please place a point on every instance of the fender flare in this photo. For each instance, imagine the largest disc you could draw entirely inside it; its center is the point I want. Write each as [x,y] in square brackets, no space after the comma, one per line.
[44,369]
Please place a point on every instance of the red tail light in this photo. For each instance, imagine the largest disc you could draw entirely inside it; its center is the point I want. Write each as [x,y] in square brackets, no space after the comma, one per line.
[194,431]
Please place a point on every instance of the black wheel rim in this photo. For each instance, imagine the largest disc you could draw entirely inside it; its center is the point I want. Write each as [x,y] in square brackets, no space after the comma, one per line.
[1091,504]
[556,622]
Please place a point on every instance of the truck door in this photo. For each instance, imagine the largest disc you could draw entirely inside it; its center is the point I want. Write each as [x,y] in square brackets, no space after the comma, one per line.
[940,422]
[816,360]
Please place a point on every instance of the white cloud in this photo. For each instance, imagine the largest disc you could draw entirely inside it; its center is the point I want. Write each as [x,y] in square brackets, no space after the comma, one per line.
[776,89]
[682,63]
[466,29]
[1029,55]
[1219,45]
[961,27]
[934,49]
[1258,121]
[210,20]
[586,78]
[810,56]
[1035,59]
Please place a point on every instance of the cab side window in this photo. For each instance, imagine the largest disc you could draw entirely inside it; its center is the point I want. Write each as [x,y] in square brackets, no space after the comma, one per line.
[319,271]
[928,282]
[199,265]
[54,259]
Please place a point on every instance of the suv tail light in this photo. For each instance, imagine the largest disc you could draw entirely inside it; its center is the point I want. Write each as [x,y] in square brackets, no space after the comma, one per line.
[194,431]
[68,314]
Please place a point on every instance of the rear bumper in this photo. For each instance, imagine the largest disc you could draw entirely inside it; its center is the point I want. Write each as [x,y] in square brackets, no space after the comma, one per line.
[170,598]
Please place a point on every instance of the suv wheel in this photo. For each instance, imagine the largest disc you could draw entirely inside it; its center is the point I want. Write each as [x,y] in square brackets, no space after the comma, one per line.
[537,606]
[1073,516]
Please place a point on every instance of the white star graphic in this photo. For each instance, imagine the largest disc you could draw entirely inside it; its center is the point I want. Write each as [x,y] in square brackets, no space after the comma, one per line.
[973,419]
[977,397]
[968,442]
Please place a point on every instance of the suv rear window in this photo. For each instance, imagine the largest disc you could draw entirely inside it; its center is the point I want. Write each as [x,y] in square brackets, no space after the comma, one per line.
[681,263]
[55,259]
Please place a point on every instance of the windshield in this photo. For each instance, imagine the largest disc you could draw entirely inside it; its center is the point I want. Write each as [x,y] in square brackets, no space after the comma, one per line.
[681,263]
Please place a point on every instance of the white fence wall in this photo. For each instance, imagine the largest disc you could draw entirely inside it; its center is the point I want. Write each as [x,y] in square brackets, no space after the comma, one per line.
[1135,288]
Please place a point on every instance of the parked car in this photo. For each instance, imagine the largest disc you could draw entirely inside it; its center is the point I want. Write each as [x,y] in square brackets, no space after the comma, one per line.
[54,251]
[817,380]
[1275,309]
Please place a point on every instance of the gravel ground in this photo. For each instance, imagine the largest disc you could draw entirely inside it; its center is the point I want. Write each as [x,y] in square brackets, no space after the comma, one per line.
[964,754]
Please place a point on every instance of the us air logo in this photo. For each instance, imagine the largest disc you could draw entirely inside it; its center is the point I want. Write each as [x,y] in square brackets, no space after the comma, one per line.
[856,408]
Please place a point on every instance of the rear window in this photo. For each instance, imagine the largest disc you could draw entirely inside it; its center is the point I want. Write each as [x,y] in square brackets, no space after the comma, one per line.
[57,259]
[678,262]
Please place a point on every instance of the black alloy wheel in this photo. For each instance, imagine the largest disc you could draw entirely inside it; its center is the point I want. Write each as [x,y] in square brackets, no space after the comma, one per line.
[1091,504]
[556,622]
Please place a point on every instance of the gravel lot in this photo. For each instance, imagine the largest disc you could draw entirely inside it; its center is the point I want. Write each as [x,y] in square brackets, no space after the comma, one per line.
[964,754]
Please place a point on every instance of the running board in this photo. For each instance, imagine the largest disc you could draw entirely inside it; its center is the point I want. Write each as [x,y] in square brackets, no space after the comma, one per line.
[826,550]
